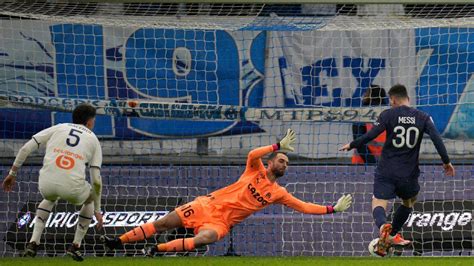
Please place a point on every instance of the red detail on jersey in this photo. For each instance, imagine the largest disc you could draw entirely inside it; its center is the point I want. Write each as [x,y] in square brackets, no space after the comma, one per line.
[65,162]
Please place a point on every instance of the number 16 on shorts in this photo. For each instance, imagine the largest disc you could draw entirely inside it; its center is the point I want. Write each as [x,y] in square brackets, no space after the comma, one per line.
[187,210]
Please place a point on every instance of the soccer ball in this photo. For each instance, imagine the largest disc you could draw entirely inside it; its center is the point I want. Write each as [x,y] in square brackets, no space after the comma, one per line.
[373,246]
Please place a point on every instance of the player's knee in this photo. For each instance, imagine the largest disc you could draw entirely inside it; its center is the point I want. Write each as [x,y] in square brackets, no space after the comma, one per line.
[379,203]
[409,203]
[170,221]
[89,199]
[161,225]
[205,238]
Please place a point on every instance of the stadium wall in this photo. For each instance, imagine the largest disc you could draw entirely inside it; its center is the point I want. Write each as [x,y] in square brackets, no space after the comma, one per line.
[150,192]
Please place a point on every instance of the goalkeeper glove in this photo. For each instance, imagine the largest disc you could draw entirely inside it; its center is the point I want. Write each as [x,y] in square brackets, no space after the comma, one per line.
[343,203]
[287,141]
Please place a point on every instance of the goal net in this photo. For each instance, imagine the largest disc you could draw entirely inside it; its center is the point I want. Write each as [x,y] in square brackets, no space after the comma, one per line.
[184,91]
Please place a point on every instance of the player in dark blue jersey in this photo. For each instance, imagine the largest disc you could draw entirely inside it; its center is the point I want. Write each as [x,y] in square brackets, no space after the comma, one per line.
[398,169]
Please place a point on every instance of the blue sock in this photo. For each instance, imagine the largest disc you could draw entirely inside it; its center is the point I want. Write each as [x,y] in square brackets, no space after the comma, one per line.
[379,216]
[400,217]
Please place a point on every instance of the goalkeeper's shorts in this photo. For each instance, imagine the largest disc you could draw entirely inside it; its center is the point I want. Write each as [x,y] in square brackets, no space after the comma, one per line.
[201,216]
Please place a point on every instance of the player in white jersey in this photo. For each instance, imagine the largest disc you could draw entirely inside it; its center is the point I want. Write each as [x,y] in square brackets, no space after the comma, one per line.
[69,147]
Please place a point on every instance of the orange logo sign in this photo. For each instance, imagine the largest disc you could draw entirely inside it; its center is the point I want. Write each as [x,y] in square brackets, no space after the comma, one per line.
[65,162]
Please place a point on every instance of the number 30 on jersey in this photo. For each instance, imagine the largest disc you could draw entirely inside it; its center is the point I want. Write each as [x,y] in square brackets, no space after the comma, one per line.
[405,137]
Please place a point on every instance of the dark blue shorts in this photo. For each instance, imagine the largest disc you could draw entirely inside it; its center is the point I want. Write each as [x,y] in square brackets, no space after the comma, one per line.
[390,188]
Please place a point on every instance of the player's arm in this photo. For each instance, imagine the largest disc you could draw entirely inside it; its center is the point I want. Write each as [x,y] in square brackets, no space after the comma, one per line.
[289,200]
[23,153]
[379,127]
[254,158]
[431,130]
[96,179]
[32,145]
[96,182]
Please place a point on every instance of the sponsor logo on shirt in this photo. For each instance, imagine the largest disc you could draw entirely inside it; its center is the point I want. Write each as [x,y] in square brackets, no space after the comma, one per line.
[257,195]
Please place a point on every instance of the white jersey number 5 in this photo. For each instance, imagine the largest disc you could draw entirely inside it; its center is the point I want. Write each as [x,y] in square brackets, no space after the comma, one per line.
[73,138]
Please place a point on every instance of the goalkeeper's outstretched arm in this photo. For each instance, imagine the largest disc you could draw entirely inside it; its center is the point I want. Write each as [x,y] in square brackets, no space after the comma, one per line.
[284,145]
[342,204]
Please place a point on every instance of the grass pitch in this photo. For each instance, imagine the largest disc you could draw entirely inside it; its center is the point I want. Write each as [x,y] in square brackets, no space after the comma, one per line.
[245,261]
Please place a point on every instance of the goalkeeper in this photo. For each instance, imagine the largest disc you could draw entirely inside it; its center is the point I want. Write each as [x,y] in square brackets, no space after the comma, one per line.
[213,215]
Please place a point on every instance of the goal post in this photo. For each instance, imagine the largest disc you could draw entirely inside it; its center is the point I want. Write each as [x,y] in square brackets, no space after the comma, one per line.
[185,89]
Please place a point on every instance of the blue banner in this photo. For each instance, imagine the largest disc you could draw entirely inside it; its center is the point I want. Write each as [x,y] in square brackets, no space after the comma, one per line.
[446,77]
[216,67]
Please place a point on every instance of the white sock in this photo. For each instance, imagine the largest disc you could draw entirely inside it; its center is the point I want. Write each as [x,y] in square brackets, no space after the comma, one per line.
[42,215]
[85,219]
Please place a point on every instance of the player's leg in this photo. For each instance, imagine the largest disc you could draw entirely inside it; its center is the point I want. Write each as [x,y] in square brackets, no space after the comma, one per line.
[380,218]
[384,190]
[84,220]
[204,237]
[407,190]
[379,207]
[48,191]
[208,228]
[206,234]
[144,231]
[400,217]
[42,214]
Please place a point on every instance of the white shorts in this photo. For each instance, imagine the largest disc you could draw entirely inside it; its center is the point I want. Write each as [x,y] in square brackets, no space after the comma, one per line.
[74,192]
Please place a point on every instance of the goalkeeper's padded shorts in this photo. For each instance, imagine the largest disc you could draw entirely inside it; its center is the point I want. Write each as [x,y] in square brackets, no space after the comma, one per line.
[203,216]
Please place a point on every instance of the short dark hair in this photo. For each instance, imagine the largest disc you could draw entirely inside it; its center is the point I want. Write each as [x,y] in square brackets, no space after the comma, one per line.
[82,113]
[398,91]
[375,95]
[274,154]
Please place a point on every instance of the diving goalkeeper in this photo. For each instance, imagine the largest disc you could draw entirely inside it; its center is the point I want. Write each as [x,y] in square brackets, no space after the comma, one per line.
[213,215]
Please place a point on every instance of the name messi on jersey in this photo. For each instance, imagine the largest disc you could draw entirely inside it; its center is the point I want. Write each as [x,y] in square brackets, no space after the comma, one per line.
[406,120]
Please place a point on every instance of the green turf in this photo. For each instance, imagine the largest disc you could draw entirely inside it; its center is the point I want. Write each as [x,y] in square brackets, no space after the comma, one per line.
[247,261]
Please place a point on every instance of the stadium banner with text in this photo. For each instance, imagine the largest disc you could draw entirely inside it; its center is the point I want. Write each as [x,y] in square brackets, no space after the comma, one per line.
[119,218]
[227,69]
[439,225]
[442,220]
[198,112]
